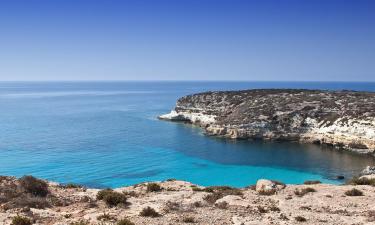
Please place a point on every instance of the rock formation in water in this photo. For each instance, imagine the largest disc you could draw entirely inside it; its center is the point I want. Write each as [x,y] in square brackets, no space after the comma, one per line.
[343,119]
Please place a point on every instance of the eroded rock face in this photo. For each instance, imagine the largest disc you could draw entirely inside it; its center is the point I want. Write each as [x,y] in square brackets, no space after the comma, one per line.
[344,119]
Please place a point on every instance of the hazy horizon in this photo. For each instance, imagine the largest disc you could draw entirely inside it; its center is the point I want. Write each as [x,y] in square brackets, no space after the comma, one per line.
[270,40]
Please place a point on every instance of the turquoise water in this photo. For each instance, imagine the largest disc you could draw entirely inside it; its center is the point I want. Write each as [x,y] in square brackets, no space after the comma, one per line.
[105,134]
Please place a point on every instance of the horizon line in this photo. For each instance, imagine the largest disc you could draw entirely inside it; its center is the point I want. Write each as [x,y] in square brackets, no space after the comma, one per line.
[218,81]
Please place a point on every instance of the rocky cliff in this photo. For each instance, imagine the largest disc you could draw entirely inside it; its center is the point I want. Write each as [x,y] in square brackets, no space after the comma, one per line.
[343,119]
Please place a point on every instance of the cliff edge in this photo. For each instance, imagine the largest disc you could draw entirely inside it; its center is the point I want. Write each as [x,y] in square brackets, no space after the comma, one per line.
[343,119]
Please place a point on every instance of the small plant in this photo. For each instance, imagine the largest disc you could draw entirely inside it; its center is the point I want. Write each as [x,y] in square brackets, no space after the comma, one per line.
[171,179]
[222,205]
[274,209]
[80,222]
[361,181]
[125,222]
[197,188]
[149,212]
[103,193]
[354,192]
[72,185]
[19,220]
[303,191]
[188,219]
[34,186]
[309,182]
[105,217]
[267,192]
[261,209]
[153,187]
[112,198]
[212,198]
[197,204]
[300,219]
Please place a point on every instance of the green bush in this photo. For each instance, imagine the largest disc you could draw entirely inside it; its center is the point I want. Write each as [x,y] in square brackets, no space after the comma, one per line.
[153,187]
[19,220]
[103,193]
[34,186]
[112,198]
[149,212]
[354,192]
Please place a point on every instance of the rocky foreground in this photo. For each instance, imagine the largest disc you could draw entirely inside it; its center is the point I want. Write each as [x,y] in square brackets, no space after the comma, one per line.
[29,200]
[343,119]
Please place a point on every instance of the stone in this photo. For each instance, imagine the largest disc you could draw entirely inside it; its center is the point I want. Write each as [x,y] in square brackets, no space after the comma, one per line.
[368,170]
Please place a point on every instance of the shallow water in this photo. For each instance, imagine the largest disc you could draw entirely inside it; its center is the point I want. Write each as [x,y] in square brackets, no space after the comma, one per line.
[105,134]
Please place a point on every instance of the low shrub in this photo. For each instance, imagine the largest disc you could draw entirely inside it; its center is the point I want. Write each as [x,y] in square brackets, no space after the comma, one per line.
[80,222]
[188,219]
[213,197]
[354,192]
[112,198]
[149,212]
[197,188]
[261,209]
[34,186]
[309,182]
[20,220]
[303,191]
[125,222]
[222,205]
[274,209]
[72,185]
[300,219]
[267,192]
[103,193]
[218,192]
[29,201]
[153,187]
[361,181]
[105,217]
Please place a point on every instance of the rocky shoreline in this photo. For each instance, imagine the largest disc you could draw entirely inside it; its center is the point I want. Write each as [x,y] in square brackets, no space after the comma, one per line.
[29,200]
[342,119]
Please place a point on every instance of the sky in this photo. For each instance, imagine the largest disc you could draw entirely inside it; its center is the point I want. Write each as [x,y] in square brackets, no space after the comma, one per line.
[263,40]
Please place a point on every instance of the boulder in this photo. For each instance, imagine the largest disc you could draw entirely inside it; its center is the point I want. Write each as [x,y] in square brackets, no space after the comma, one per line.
[368,170]
[268,186]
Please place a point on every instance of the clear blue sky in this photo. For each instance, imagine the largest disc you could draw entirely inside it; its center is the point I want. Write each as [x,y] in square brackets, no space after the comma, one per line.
[187,40]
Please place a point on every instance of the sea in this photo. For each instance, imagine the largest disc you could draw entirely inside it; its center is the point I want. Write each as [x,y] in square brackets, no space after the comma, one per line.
[106,134]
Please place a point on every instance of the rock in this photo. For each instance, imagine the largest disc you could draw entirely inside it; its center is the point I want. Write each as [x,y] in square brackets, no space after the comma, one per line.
[268,186]
[369,177]
[368,170]
[342,119]
[340,177]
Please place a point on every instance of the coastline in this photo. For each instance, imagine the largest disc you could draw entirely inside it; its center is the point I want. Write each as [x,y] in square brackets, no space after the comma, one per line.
[341,119]
[181,202]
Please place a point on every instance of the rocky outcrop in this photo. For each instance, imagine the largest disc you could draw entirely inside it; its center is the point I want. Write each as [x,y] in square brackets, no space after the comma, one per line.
[343,119]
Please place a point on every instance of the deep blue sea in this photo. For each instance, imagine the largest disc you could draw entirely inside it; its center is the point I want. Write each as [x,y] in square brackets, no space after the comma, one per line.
[105,134]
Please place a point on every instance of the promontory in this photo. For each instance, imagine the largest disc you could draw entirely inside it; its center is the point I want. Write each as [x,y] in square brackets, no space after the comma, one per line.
[343,119]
